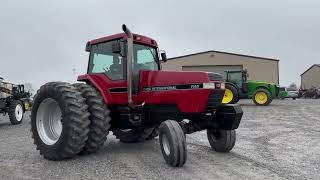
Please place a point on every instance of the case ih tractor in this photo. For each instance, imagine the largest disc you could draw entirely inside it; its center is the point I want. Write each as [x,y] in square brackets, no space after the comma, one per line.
[14,101]
[239,87]
[125,91]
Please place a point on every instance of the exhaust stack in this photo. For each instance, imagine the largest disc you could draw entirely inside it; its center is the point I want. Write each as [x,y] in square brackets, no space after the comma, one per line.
[129,62]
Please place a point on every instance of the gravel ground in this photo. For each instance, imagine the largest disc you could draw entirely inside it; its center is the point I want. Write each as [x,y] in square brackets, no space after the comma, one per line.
[281,141]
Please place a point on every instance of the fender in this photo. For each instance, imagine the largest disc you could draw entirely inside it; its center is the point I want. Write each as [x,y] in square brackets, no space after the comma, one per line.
[90,79]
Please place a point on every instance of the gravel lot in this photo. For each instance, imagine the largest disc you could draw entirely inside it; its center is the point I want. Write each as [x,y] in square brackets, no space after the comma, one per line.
[281,141]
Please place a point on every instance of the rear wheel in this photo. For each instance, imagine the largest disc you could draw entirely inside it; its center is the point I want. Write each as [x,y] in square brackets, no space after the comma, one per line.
[133,136]
[99,118]
[16,112]
[173,143]
[262,97]
[59,121]
[221,140]
[231,95]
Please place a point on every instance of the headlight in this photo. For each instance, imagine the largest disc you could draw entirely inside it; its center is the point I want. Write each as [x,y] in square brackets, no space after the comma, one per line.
[223,85]
[208,86]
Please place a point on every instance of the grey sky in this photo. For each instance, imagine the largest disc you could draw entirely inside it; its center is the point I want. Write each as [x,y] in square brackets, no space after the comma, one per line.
[44,40]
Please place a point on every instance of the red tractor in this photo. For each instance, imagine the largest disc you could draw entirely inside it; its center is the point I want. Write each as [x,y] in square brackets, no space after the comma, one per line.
[126,92]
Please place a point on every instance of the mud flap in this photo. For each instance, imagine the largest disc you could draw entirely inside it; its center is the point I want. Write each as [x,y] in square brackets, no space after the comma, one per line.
[229,116]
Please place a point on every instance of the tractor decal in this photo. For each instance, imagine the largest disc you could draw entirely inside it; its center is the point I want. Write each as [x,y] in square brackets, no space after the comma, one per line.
[173,87]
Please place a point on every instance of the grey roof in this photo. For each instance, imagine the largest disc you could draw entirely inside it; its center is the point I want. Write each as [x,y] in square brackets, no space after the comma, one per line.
[213,51]
[318,65]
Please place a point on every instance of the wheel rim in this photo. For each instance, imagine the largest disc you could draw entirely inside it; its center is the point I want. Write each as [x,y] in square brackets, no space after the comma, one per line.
[18,112]
[48,121]
[228,96]
[165,145]
[261,97]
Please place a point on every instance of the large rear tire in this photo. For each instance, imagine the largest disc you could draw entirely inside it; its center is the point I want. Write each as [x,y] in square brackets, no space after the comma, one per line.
[221,140]
[99,118]
[133,136]
[262,97]
[173,143]
[231,95]
[16,112]
[59,121]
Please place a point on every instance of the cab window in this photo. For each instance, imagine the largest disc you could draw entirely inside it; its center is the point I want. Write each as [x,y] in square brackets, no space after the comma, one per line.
[102,60]
[236,77]
[145,57]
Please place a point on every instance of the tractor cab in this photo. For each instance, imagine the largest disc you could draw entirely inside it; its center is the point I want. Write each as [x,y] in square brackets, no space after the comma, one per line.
[108,56]
[238,78]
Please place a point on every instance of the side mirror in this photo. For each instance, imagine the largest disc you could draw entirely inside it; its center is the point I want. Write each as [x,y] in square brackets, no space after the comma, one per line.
[163,57]
[116,48]
[88,47]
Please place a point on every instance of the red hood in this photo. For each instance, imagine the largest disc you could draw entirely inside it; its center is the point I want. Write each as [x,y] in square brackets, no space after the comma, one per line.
[163,78]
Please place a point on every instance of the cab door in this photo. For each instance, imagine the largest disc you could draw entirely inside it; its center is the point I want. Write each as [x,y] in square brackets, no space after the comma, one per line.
[145,58]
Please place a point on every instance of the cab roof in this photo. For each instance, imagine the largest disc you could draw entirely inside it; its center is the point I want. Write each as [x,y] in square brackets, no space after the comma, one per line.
[136,38]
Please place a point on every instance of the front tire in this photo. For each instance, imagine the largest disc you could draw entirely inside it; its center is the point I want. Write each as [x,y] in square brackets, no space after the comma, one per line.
[16,112]
[59,121]
[221,140]
[173,143]
[99,118]
[262,97]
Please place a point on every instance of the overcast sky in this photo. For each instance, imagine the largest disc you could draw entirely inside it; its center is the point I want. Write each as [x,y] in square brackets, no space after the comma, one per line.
[42,40]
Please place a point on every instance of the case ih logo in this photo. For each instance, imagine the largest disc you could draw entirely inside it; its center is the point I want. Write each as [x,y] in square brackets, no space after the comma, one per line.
[173,87]
[160,88]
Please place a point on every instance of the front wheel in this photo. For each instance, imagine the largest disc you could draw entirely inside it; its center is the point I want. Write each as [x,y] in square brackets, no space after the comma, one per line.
[16,112]
[173,143]
[262,97]
[221,140]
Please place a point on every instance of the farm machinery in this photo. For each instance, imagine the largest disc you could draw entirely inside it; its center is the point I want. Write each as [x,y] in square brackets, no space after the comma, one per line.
[126,92]
[239,87]
[14,101]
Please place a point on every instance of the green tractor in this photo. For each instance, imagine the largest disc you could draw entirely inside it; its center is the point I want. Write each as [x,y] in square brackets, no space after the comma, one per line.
[239,87]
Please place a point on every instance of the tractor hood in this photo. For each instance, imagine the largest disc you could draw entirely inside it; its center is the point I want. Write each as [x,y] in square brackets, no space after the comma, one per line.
[171,79]
[261,82]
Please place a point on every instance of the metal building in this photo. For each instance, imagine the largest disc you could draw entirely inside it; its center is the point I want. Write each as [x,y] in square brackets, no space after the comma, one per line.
[259,68]
[311,77]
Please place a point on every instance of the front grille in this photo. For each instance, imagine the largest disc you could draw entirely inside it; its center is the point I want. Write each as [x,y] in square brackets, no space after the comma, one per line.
[215,99]
[215,77]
